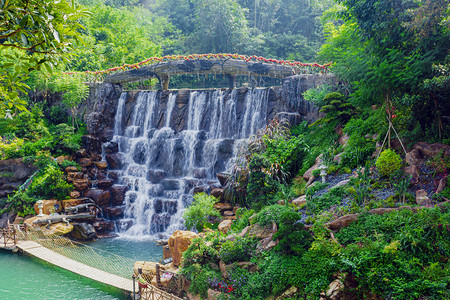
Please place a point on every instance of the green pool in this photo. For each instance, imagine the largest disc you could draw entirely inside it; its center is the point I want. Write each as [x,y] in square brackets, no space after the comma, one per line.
[24,277]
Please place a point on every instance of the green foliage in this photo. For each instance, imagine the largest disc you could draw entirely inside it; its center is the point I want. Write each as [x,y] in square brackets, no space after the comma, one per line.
[261,186]
[388,162]
[197,214]
[50,184]
[238,250]
[65,141]
[337,109]
[293,238]
[405,262]
[21,203]
[317,95]
[40,34]
[243,215]
[271,214]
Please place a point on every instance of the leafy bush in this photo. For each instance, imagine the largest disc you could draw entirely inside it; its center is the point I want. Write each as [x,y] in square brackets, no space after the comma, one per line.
[50,184]
[293,239]
[388,162]
[337,109]
[239,250]
[243,215]
[197,214]
[21,203]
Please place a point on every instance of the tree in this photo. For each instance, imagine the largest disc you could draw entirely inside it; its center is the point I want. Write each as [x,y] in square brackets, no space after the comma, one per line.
[41,33]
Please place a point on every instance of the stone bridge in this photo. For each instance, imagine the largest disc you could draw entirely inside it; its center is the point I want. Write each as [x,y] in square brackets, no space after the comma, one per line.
[226,66]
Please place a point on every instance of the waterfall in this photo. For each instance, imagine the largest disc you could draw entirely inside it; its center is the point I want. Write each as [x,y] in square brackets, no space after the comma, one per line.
[168,150]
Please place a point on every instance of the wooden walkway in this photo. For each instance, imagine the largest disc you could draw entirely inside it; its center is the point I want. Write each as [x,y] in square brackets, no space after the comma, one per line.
[36,250]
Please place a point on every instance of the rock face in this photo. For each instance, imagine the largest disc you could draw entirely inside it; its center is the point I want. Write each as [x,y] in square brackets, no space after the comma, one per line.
[179,241]
[13,173]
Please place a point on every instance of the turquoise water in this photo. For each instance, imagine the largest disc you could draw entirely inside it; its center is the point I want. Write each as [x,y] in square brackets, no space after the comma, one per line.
[24,277]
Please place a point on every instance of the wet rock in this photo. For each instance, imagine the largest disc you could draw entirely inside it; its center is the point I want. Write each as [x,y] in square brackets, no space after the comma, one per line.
[83,231]
[200,173]
[91,143]
[165,205]
[81,153]
[111,147]
[114,160]
[71,176]
[95,157]
[140,152]
[125,224]
[155,176]
[171,184]
[156,190]
[102,165]
[81,184]
[71,169]
[118,194]
[102,226]
[222,177]
[114,212]
[105,183]
[107,135]
[179,241]
[100,197]
[217,193]
[228,213]
[187,200]
[84,162]
[223,206]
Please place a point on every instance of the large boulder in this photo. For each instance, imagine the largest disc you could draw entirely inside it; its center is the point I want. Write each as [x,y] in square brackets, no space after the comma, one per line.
[179,241]
[308,174]
[225,226]
[58,229]
[100,197]
[83,231]
[118,194]
[81,184]
[413,171]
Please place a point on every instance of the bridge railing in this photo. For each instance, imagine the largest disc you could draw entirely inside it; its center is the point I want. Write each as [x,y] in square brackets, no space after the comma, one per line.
[93,257]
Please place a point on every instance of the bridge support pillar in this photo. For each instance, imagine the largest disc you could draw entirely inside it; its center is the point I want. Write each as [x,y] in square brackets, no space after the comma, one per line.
[231,81]
[164,80]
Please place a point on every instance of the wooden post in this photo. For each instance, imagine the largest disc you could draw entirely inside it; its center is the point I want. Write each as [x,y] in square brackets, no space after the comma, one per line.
[158,276]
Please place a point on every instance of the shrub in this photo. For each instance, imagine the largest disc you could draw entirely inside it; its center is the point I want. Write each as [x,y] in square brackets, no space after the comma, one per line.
[243,215]
[293,239]
[197,214]
[239,250]
[50,184]
[388,162]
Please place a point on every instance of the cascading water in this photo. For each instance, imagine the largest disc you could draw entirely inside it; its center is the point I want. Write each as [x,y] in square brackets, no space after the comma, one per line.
[161,165]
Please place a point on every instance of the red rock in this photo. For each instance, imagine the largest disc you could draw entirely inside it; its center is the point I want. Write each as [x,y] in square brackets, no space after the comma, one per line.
[101,164]
[81,184]
[217,192]
[100,197]
[223,206]
[84,162]
[74,194]
[81,153]
[114,212]
[104,183]
[70,169]
[118,194]
[102,226]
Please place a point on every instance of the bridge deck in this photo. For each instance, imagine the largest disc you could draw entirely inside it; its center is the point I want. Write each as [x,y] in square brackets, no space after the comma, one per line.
[61,261]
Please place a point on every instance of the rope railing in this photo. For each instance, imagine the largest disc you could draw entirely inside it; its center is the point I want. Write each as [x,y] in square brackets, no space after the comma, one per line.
[93,257]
